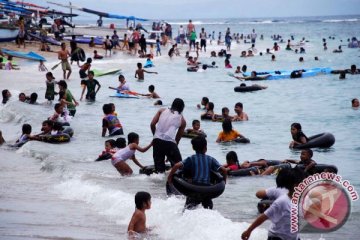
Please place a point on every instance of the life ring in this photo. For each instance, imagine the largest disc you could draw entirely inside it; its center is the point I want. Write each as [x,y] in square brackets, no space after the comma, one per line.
[104,156]
[242,140]
[148,170]
[319,168]
[81,54]
[322,140]
[247,88]
[192,69]
[243,172]
[264,204]
[206,117]
[59,138]
[197,192]
[193,135]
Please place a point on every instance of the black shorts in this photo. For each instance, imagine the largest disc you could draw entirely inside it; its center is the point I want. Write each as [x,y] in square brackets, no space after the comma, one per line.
[192,42]
[203,43]
[82,74]
[162,149]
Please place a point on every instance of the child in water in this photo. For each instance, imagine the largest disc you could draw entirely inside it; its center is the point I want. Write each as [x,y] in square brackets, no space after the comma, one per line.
[224,115]
[50,87]
[119,158]
[26,131]
[110,149]
[137,223]
[85,68]
[139,73]
[232,162]
[298,136]
[42,67]
[228,133]
[97,56]
[111,122]
[209,111]
[195,129]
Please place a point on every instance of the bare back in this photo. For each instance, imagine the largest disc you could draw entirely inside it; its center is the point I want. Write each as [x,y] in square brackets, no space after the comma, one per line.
[137,222]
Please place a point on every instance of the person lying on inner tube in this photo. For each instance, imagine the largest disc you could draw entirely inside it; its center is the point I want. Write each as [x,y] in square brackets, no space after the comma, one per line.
[47,127]
[254,77]
[305,160]
[200,166]
[298,136]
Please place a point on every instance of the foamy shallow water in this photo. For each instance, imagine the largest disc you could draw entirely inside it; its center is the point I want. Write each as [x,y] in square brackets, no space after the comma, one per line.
[57,191]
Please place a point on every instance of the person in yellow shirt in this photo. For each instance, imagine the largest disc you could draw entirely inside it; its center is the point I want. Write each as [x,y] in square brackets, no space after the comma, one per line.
[228,133]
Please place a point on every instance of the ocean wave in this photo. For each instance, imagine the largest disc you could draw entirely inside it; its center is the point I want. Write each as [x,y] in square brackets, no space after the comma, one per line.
[341,20]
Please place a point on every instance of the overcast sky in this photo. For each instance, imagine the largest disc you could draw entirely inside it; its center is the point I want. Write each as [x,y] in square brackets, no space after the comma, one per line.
[195,9]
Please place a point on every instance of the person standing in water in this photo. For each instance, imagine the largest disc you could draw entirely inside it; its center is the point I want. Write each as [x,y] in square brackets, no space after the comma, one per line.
[168,126]
[63,55]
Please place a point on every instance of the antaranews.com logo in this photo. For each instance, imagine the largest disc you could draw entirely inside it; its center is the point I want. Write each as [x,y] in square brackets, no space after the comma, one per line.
[321,203]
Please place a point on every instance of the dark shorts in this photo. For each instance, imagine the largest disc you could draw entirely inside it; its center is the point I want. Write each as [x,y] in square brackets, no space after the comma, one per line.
[203,43]
[72,112]
[192,203]
[131,45]
[162,149]
[82,74]
[91,96]
[192,42]
[117,132]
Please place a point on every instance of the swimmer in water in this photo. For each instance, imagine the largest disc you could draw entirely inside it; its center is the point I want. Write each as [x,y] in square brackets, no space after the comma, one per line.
[139,73]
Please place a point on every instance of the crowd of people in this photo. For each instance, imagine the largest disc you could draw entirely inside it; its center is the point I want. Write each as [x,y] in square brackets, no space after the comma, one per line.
[168,124]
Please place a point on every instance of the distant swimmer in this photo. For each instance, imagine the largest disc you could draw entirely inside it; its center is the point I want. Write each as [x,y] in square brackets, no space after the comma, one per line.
[139,73]
[355,103]
[152,93]
[254,77]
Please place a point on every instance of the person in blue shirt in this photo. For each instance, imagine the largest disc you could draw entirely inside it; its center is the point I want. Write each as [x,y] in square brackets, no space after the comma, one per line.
[199,167]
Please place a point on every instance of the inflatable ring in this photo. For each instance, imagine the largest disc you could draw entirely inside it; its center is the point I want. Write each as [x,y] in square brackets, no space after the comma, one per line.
[59,138]
[206,117]
[243,172]
[319,168]
[193,135]
[192,69]
[242,140]
[247,89]
[81,55]
[264,204]
[322,140]
[198,192]
[104,156]
[148,170]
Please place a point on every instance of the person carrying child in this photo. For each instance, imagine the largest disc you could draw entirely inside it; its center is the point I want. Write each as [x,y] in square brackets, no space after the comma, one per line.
[118,160]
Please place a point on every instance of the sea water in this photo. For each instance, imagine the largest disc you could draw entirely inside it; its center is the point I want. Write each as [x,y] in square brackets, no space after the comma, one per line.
[51,191]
